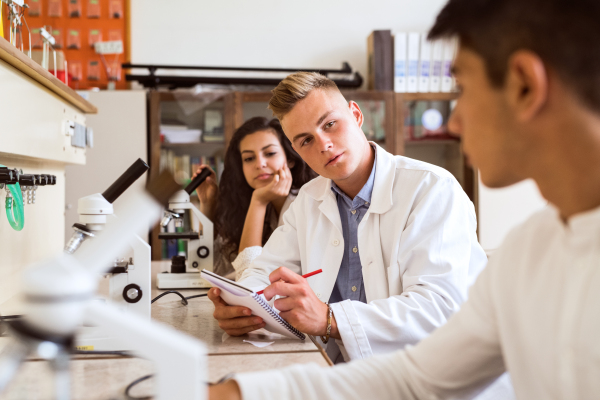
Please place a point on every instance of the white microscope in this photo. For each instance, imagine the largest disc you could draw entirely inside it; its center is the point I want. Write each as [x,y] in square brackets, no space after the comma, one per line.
[58,297]
[199,254]
[129,276]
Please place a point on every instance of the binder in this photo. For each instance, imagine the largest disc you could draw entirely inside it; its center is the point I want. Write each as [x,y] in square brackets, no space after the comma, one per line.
[436,68]
[425,65]
[412,83]
[449,49]
[238,295]
[380,51]
[400,54]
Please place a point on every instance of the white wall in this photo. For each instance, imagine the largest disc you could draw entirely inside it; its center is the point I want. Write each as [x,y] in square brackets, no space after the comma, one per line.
[500,210]
[119,140]
[269,33]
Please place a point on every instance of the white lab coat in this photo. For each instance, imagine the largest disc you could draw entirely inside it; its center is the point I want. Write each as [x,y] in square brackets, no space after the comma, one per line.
[417,245]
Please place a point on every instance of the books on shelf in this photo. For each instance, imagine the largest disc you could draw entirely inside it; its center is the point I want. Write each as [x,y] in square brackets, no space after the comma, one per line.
[183,167]
[421,65]
[180,134]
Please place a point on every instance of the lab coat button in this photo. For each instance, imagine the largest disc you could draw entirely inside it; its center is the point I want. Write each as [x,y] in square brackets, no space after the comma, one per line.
[335,242]
[355,249]
[319,295]
[354,288]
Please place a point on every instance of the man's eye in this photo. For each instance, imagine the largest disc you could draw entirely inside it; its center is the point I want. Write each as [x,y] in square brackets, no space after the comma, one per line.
[306,141]
[329,124]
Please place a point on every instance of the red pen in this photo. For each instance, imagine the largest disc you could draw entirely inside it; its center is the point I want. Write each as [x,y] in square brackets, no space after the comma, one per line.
[304,276]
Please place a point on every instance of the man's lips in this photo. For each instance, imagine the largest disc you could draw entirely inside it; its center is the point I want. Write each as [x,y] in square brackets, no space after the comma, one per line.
[334,159]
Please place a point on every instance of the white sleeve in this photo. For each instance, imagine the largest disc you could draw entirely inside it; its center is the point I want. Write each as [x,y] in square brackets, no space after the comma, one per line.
[459,360]
[245,259]
[281,250]
[437,247]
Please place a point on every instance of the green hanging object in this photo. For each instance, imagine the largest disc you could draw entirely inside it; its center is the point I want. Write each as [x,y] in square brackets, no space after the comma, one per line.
[14,206]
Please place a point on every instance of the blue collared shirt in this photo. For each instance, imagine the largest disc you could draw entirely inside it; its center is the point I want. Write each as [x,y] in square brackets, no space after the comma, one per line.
[349,282]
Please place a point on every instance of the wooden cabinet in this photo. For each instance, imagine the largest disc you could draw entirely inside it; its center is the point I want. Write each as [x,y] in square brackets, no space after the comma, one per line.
[386,122]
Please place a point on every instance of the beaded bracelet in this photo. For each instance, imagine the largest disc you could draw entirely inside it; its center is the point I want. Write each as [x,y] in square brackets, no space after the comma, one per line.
[325,339]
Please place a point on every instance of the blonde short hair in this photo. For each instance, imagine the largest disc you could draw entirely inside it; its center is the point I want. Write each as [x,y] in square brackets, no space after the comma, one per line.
[294,88]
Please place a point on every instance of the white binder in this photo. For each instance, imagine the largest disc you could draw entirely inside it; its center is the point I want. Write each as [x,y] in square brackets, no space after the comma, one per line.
[425,65]
[412,84]
[448,58]
[436,68]
[400,54]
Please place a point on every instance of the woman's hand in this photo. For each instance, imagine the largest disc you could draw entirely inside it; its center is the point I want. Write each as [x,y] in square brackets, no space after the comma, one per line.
[279,187]
[207,192]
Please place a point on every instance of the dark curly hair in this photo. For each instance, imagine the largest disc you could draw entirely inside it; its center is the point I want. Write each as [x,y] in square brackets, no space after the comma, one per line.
[235,193]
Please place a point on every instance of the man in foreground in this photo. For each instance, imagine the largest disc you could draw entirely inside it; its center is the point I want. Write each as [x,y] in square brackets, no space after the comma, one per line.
[529,108]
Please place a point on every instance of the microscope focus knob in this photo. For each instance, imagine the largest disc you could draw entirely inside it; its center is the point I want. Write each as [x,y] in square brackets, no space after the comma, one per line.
[132,293]
[203,252]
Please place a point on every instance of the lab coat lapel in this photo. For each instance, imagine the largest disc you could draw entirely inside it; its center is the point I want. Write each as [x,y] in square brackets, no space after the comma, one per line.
[375,275]
[330,230]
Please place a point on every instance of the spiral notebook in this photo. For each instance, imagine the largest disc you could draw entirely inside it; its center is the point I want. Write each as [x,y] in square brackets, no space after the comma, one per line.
[235,294]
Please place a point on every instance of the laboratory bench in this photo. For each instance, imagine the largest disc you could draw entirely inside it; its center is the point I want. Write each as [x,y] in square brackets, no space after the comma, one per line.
[106,377]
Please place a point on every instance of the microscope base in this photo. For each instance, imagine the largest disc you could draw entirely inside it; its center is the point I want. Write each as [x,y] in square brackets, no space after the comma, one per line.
[93,338]
[187,280]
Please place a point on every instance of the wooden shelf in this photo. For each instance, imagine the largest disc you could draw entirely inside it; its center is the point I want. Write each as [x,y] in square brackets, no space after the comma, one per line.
[17,59]
[427,96]
[215,145]
[431,142]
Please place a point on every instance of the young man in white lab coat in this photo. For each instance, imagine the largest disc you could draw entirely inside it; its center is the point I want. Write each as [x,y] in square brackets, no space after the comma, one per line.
[529,108]
[395,237]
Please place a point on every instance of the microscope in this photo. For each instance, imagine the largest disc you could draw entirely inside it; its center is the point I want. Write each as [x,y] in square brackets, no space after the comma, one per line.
[185,270]
[58,298]
[129,276]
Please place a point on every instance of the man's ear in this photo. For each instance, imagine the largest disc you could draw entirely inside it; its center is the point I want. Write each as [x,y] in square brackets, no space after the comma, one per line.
[526,84]
[355,110]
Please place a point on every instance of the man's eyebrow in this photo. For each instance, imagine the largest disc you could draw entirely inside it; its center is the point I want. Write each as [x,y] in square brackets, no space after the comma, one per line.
[301,135]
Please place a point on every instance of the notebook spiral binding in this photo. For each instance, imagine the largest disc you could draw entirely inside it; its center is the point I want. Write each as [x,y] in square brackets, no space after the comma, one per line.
[277,317]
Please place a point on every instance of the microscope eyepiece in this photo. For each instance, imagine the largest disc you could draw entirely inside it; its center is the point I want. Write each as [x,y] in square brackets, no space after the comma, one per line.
[132,174]
[197,181]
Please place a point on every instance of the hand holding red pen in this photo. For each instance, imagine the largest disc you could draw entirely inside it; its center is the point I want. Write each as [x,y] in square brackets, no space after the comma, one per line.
[301,307]
[304,276]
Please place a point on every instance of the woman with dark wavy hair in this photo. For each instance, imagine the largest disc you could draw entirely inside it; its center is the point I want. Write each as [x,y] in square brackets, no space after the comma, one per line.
[261,177]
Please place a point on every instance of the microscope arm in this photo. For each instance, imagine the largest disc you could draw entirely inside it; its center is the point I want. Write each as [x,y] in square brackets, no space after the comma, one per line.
[178,359]
[117,235]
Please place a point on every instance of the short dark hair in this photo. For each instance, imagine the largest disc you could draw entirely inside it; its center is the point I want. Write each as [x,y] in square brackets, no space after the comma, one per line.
[565,34]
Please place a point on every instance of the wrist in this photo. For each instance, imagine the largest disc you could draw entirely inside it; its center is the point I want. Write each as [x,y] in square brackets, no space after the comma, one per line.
[329,317]
[257,200]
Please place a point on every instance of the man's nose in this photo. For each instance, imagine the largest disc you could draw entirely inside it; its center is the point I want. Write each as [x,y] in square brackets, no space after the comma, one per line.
[324,143]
